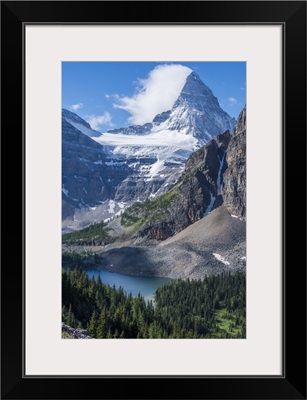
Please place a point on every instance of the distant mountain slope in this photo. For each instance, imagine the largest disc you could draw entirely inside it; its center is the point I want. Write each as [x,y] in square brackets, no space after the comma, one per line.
[79,123]
[88,177]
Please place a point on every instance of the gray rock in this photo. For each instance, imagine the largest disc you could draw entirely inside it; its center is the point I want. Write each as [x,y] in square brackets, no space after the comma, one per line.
[75,333]
[88,176]
[234,179]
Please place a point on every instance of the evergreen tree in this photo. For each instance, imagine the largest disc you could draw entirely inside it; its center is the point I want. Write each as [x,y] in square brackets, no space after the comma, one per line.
[70,317]
[92,325]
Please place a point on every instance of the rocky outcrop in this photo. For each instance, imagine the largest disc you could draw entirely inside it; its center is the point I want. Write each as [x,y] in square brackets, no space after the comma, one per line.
[234,179]
[140,185]
[71,333]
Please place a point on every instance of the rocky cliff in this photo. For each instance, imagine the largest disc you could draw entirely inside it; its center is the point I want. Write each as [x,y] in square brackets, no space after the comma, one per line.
[195,195]
[234,179]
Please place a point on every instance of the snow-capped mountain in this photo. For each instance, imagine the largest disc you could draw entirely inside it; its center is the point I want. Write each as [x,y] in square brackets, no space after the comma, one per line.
[137,162]
[197,112]
[170,138]
[195,118]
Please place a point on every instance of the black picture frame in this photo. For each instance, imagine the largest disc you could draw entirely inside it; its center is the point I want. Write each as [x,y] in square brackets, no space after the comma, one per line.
[292,16]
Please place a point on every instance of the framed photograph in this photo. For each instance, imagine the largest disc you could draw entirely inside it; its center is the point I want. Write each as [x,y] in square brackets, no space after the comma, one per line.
[163,149]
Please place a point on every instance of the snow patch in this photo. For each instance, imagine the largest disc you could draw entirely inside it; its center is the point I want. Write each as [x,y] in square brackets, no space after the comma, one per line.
[65,191]
[156,168]
[111,209]
[234,216]
[243,258]
[112,163]
[221,258]
[164,143]
[86,131]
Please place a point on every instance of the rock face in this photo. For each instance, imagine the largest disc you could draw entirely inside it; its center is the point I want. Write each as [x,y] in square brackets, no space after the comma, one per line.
[234,180]
[88,177]
[195,195]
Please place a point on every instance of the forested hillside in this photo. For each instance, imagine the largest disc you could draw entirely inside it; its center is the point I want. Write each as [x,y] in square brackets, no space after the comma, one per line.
[209,308]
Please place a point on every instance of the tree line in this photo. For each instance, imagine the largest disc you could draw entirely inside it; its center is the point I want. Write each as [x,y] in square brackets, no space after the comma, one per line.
[214,307]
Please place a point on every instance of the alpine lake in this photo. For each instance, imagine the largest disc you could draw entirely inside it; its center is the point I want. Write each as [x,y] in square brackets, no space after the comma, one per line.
[144,285]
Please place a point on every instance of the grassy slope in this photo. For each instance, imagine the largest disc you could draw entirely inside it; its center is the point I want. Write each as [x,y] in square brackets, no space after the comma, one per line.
[149,210]
[227,322]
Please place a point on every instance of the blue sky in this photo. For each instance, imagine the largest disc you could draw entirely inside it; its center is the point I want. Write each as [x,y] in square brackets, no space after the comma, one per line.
[116,94]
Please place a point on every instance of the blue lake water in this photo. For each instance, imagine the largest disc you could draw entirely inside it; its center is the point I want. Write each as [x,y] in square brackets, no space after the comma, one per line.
[131,284]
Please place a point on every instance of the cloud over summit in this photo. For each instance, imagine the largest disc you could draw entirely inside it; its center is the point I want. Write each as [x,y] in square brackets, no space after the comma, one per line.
[155,94]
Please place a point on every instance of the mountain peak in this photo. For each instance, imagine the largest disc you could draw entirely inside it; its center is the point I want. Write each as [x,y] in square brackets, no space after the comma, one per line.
[195,86]
[197,112]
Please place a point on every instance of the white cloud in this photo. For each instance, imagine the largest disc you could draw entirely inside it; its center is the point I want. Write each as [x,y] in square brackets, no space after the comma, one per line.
[155,94]
[232,101]
[76,107]
[96,120]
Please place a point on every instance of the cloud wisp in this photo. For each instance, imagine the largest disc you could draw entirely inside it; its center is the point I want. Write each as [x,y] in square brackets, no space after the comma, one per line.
[155,94]
[232,101]
[76,107]
[96,120]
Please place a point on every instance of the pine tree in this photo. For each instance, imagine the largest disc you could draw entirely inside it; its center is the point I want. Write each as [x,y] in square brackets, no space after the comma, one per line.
[71,317]
[101,329]
[64,318]
[92,325]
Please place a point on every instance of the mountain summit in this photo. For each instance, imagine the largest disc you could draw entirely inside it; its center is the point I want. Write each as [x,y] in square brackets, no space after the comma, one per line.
[197,112]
